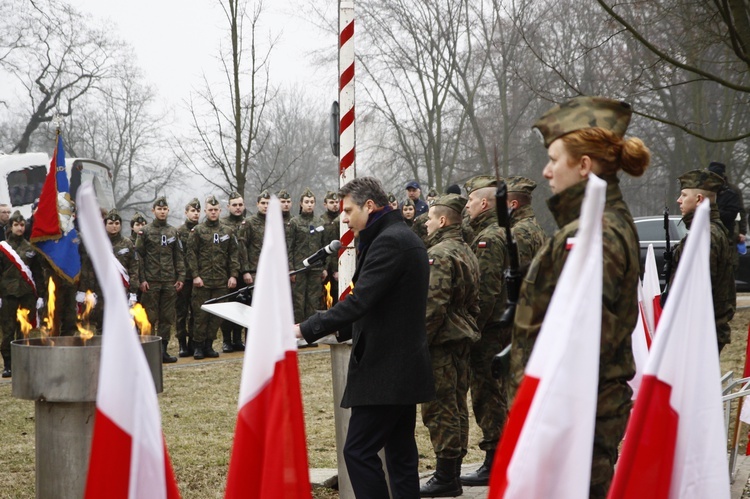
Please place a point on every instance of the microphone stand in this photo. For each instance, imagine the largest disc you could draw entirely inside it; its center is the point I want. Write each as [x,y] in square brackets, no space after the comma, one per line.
[248,288]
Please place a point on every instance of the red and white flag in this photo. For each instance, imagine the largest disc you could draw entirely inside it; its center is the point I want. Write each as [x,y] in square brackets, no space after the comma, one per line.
[640,340]
[651,293]
[269,455]
[676,442]
[129,458]
[548,441]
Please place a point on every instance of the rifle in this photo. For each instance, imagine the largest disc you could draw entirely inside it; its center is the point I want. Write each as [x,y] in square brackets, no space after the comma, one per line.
[667,258]
[512,272]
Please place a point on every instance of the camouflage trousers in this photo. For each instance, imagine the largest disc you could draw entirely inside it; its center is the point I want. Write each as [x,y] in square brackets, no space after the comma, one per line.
[612,412]
[185,315]
[160,302]
[447,417]
[206,324]
[489,397]
[307,293]
[10,325]
[66,307]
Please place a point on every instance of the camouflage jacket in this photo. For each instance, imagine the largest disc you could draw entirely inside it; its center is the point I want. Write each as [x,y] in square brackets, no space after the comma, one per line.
[237,223]
[251,238]
[125,253]
[453,294]
[212,253]
[183,232]
[160,253]
[12,282]
[305,237]
[331,233]
[619,300]
[491,249]
[419,227]
[527,233]
[722,276]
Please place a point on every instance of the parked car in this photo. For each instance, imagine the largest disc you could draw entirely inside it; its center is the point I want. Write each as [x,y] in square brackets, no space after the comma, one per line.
[651,231]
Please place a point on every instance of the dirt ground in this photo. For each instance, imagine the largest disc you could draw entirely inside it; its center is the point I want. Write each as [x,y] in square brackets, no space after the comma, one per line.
[199,407]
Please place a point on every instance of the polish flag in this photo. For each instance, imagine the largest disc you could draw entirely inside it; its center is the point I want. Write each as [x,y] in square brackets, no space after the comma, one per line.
[548,440]
[676,443]
[651,293]
[269,455]
[641,342]
[128,458]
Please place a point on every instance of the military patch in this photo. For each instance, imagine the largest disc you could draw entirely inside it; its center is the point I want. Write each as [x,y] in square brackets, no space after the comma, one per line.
[483,244]
[224,237]
[171,240]
[123,251]
[569,243]
[431,261]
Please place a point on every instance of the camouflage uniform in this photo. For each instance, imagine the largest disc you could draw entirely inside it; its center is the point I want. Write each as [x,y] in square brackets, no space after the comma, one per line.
[527,233]
[306,233]
[162,264]
[212,255]
[185,315]
[488,395]
[231,331]
[15,290]
[419,221]
[452,308]
[287,217]
[331,223]
[137,217]
[722,275]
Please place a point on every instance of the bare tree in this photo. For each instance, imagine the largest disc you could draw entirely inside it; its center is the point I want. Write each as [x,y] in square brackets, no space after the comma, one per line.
[227,118]
[58,55]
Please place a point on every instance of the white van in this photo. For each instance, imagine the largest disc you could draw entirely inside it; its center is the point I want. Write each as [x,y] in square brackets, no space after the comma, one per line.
[22,177]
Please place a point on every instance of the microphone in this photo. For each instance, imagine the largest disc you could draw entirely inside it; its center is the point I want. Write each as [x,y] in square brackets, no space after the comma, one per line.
[322,253]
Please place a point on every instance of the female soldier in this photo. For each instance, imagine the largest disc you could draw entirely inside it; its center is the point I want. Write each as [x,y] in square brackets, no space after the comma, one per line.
[408,211]
[583,136]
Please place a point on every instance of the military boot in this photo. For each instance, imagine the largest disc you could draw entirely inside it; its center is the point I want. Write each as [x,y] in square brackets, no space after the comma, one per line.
[444,483]
[198,353]
[165,357]
[208,349]
[184,350]
[6,369]
[481,476]
[237,344]
[226,335]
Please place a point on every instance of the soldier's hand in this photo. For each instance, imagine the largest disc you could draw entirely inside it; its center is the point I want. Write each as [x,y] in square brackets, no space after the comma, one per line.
[144,286]
[178,285]
[132,299]
[248,278]
[293,278]
[323,275]
[232,283]
[336,276]
[197,282]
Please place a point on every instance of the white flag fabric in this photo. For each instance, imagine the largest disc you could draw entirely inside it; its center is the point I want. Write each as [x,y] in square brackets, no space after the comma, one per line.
[651,292]
[547,444]
[676,442]
[128,454]
[639,344]
[269,454]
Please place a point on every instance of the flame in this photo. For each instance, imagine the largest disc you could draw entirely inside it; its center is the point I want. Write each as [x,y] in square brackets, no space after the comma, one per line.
[49,321]
[84,329]
[141,319]
[22,316]
[328,297]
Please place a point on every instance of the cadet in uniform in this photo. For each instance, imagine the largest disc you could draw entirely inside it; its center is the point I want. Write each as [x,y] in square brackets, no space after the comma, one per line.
[213,259]
[20,279]
[452,308]
[125,253]
[392,201]
[419,226]
[331,219]
[527,233]
[185,316]
[136,224]
[231,331]
[697,186]
[488,395]
[582,136]
[305,237]
[162,272]
[88,293]
[251,234]
[407,211]
[286,213]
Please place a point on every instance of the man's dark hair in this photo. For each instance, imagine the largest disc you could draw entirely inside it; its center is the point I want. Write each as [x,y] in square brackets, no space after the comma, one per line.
[364,188]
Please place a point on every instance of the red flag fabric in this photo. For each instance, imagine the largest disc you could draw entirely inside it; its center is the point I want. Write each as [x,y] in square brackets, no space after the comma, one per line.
[675,445]
[651,293]
[129,458]
[269,454]
[546,447]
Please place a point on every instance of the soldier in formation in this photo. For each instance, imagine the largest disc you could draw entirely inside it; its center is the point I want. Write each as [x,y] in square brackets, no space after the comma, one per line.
[696,187]
[231,331]
[331,221]
[162,273]
[419,226]
[185,316]
[213,260]
[452,308]
[585,136]
[527,233]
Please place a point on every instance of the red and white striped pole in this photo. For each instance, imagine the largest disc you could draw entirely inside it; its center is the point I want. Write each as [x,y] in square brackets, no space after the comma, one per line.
[347,138]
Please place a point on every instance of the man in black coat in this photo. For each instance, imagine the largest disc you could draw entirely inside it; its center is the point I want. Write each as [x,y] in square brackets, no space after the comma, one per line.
[389,370]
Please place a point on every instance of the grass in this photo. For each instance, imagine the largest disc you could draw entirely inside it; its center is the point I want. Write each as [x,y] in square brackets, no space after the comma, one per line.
[199,407]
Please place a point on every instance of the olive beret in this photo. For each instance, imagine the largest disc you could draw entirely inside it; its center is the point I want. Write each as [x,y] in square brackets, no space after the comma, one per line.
[520,184]
[584,112]
[480,182]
